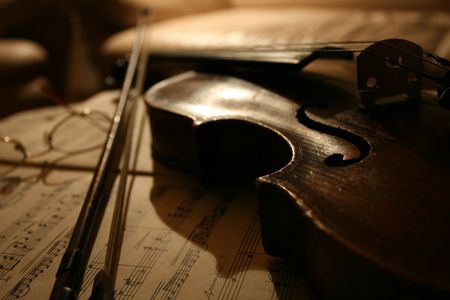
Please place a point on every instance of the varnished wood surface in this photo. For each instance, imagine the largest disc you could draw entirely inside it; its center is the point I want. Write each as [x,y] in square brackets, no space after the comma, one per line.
[374,224]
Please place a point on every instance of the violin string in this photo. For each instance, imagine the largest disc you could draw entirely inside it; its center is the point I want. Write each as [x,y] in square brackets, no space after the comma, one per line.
[424,52]
[289,48]
[435,63]
[322,47]
[284,46]
[441,60]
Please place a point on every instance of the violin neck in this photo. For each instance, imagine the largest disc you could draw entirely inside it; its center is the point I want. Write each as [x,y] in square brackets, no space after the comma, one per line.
[407,61]
[258,59]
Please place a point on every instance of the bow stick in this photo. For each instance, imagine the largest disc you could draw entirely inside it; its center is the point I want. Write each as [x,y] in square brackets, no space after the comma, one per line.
[69,277]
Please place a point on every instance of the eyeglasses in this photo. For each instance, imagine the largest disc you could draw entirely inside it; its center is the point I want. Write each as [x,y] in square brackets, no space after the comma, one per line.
[75,133]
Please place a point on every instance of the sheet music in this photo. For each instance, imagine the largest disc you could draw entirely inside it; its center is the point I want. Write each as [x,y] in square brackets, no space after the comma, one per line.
[182,240]
[32,127]
[37,220]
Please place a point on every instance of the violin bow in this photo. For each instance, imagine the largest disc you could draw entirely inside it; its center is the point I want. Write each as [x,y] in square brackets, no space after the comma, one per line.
[69,276]
[104,282]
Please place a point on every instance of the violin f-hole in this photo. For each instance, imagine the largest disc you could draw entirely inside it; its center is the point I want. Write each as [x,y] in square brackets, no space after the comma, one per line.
[336,159]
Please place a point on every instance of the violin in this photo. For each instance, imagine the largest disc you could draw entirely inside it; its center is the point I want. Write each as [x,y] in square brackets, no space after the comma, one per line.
[352,188]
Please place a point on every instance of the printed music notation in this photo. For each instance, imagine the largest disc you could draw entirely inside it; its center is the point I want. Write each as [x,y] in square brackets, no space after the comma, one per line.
[35,230]
[182,240]
[186,242]
[24,284]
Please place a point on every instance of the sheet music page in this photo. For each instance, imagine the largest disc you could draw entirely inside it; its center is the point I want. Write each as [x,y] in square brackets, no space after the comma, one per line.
[33,127]
[37,216]
[181,241]
[184,241]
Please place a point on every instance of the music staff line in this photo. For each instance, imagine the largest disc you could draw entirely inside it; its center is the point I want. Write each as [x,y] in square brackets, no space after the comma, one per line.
[152,252]
[55,249]
[32,227]
[198,239]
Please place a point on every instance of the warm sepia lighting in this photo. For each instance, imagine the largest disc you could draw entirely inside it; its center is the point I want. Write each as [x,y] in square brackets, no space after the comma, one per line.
[224,149]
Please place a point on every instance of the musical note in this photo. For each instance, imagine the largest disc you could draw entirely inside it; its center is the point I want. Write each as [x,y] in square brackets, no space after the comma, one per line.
[241,261]
[179,235]
[26,233]
[35,233]
[23,286]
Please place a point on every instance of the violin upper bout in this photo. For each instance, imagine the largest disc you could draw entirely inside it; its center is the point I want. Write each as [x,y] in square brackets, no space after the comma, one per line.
[218,127]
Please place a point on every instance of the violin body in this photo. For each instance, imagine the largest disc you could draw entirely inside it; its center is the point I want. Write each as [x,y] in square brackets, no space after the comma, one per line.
[360,200]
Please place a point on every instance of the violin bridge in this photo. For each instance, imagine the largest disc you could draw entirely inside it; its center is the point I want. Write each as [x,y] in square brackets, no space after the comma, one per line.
[387,69]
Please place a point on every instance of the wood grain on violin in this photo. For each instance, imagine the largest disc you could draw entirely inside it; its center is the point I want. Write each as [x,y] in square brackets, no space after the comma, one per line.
[359,199]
